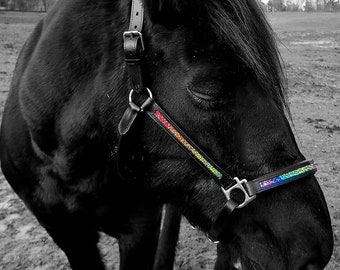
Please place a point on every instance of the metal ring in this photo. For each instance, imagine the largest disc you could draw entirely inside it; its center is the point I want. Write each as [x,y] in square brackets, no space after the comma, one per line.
[131,92]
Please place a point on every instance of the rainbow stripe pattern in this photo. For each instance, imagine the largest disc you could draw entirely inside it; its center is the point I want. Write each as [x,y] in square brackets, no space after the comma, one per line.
[165,123]
[269,183]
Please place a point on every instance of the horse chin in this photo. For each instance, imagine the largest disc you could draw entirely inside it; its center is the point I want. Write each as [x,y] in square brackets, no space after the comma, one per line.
[232,256]
[259,250]
[238,264]
[244,262]
[251,250]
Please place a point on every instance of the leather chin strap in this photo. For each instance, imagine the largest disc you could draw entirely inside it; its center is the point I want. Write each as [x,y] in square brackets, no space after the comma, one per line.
[134,47]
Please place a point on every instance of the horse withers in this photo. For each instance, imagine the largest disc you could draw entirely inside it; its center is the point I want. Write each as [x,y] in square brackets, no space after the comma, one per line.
[214,68]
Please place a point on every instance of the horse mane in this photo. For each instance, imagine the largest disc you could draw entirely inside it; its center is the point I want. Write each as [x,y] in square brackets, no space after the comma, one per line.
[243,27]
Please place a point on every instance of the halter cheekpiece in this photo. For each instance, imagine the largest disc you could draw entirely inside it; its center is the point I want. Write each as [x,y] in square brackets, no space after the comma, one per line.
[133,49]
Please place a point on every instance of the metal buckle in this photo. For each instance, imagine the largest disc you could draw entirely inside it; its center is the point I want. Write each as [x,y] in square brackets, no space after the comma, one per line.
[134,34]
[239,185]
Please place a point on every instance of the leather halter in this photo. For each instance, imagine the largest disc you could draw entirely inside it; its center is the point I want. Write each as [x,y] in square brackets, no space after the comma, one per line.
[133,49]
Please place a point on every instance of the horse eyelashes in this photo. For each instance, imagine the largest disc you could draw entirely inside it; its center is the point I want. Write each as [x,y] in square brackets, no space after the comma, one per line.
[205,101]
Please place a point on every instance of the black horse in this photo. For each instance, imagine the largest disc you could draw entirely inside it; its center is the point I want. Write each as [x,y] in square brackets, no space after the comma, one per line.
[214,67]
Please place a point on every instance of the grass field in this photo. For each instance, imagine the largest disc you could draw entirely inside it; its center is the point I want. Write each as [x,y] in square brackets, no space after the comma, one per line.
[310,46]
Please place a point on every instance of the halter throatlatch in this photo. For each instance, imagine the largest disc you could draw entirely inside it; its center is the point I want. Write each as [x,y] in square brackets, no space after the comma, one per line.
[133,48]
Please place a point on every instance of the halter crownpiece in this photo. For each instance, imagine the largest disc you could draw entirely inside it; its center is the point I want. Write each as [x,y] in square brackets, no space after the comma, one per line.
[134,45]
[133,49]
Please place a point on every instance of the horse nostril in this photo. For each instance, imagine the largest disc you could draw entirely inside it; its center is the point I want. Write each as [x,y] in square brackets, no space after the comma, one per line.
[313,267]
[310,266]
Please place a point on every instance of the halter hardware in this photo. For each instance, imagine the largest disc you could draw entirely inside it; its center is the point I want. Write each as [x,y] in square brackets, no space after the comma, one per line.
[136,39]
[131,94]
[238,185]
[133,49]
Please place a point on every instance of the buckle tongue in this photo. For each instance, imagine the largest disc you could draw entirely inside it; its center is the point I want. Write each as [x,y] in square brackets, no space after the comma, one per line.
[239,185]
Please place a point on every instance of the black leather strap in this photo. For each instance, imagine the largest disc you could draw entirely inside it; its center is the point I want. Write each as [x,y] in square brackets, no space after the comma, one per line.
[134,46]
[222,220]
[128,118]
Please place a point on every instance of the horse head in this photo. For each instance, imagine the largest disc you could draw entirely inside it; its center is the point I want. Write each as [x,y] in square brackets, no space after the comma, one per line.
[214,67]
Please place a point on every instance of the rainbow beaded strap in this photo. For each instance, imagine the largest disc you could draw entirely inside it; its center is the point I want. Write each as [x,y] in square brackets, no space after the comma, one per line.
[164,121]
[281,177]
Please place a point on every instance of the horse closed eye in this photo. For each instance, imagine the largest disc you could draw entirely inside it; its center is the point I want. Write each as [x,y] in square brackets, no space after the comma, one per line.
[205,100]
[201,95]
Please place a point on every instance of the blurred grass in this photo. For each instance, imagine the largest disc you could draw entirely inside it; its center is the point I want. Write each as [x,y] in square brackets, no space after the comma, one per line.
[304,21]
[11,17]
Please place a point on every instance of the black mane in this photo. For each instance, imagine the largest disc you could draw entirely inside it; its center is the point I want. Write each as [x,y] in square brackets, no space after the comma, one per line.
[243,26]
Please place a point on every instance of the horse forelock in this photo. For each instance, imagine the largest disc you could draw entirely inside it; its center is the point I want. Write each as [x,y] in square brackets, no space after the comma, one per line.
[242,26]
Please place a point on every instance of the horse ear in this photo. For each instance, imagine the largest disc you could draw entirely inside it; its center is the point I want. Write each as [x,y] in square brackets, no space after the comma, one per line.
[167,12]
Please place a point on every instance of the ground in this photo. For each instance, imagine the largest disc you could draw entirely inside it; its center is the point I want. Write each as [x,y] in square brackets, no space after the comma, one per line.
[310,46]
